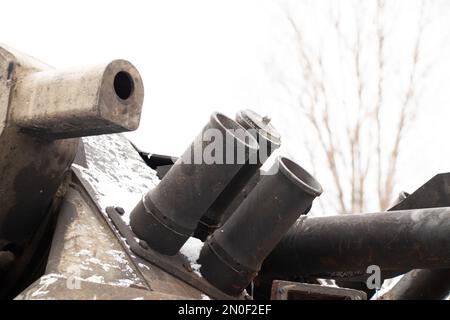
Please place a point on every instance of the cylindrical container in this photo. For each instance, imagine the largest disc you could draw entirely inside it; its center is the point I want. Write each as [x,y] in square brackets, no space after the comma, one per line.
[243,183]
[232,256]
[168,215]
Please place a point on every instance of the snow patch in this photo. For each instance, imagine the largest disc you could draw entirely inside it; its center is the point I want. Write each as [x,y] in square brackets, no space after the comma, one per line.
[387,285]
[191,250]
[328,283]
[116,172]
[96,279]
[144,266]
[45,282]
[123,282]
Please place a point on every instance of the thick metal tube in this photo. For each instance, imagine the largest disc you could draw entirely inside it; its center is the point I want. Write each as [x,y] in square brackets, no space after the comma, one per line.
[79,102]
[345,245]
[245,180]
[232,256]
[419,283]
[168,215]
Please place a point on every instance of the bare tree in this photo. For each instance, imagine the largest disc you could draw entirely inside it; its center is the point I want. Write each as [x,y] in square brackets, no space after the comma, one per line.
[352,132]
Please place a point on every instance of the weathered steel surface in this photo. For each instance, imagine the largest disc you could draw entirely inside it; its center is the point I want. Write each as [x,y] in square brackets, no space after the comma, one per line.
[120,180]
[39,104]
[433,194]
[287,290]
[55,286]
[345,245]
[31,167]
[232,256]
[78,102]
[177,265]
[83,246]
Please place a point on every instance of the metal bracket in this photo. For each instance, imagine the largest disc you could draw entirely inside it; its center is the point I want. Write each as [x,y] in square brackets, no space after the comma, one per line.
[177,265]
[286,290]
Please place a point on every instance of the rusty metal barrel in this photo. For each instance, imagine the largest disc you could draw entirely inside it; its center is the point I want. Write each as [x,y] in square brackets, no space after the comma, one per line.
[232,256]
[79,102]
[245,180]
[168,215]
[344,246]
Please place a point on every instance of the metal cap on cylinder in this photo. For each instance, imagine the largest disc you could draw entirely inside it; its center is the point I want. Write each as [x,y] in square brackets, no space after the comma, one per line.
[168,215]
[262,126]
[268,141]
[232,256]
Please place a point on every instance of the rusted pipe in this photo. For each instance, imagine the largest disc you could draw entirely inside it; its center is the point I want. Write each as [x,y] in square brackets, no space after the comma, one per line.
[232,256]
[345,245]
[79,102]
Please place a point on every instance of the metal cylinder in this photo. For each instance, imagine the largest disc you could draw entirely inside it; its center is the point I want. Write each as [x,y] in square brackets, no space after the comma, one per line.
[79,102]
[344,246]
[233,254]
[243,183]
[168,215]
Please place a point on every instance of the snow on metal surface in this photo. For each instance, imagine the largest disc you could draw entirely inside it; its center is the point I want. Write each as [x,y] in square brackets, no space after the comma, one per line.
[44,283]
[143,266]
[96,279]
[328,283]
[191,250]
[116,172]
[387,285]
[96,258]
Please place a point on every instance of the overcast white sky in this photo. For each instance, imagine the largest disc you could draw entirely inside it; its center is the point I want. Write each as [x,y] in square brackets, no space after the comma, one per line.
[197,57]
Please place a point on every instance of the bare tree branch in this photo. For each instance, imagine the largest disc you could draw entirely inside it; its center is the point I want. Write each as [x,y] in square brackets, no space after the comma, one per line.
[362,152]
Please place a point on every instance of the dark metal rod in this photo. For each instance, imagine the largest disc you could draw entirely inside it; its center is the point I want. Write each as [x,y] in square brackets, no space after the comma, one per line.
[345,245]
